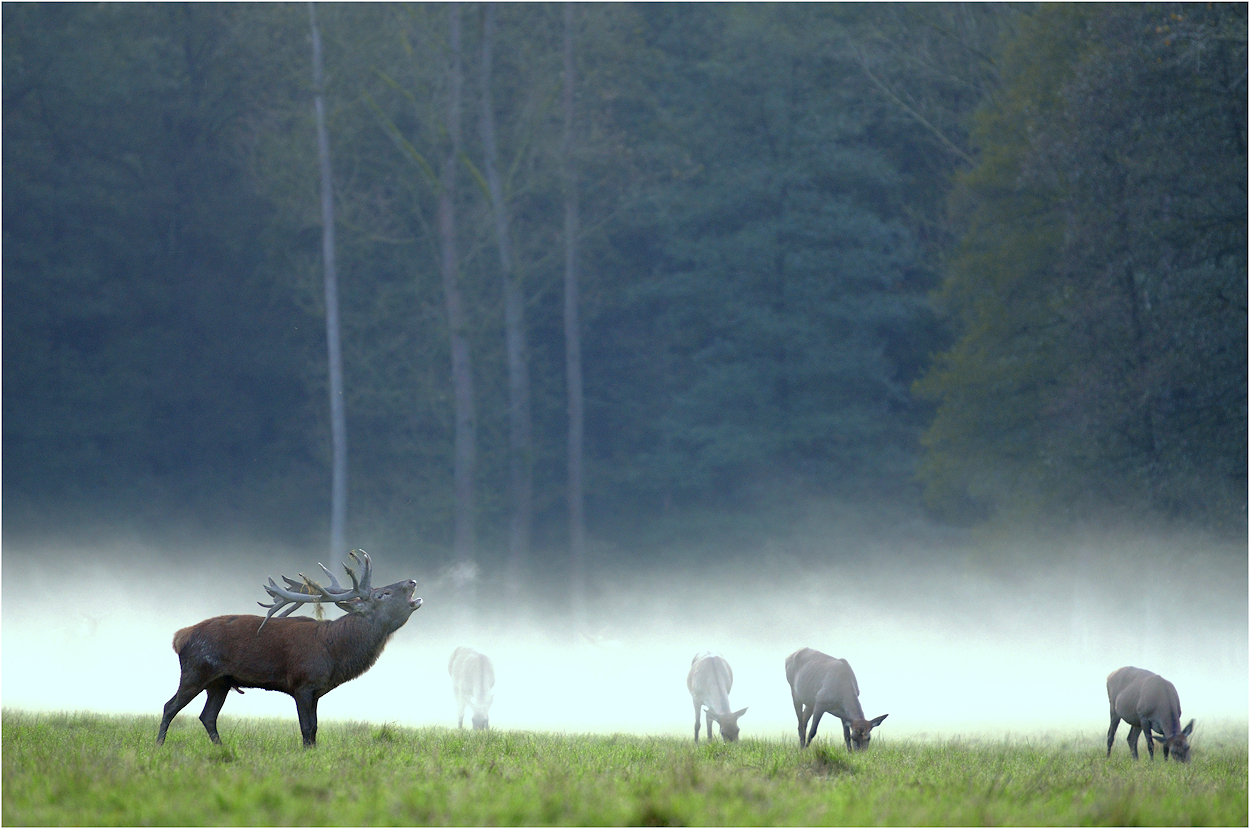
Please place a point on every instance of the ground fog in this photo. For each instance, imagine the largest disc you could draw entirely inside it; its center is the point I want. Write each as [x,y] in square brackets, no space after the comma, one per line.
[972,637]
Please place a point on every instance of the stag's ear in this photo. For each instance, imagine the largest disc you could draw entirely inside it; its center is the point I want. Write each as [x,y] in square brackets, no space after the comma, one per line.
[1189,729]
[738,713]
[876,721]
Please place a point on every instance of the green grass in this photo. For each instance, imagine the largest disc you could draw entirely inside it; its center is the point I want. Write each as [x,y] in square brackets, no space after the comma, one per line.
[82,769]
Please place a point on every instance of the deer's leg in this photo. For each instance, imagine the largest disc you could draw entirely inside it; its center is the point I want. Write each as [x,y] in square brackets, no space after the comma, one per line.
[709,725]
[1115,725]
[1133,734]
[846,733]
[698,709]
[805,714]
[217,692]
[1150,743]
[817,713]
[188,689]
[306,707]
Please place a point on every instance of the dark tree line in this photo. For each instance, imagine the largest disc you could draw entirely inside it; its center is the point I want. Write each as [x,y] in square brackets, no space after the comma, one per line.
[1100,281]
[767,197]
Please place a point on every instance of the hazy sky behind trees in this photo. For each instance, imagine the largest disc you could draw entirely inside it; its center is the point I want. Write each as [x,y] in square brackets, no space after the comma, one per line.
[791,215]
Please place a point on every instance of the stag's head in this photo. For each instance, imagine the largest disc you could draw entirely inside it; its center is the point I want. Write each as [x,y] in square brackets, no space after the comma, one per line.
[388,606]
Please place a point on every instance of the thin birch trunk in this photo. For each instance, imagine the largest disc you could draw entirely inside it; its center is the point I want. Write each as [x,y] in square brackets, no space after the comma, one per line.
[572,343]
[519,425]
[465,452]
[338,415]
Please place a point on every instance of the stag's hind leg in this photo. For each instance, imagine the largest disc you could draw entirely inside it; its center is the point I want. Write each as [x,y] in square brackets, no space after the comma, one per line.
[186,692]
[1115,725]
[217,693]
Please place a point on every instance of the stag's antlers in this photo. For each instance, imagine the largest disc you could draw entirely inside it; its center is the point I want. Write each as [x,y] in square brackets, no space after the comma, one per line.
[298,593]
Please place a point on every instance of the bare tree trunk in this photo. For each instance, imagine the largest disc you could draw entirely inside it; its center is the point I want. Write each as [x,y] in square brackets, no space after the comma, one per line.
[572,342]
[521,449]
[465,460]
[338,416]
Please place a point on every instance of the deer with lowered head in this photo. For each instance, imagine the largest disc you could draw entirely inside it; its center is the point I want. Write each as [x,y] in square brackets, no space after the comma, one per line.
[1147,702]
[473,683]
[710,680]
[303,657]
[821,684]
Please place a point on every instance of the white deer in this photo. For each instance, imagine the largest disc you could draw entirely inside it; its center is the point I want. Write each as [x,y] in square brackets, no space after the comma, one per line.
[710,680]
[473,683]
[822,684]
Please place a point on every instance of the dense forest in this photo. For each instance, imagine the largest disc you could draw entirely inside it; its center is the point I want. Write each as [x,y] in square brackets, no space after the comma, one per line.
[988,261]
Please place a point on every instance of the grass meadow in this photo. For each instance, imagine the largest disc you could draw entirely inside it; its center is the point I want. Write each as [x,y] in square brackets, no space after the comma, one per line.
[86,769]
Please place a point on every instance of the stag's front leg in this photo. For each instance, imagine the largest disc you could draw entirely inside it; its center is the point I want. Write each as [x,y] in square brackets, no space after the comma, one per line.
[1150,743]
[709,724]
[698,709]
[217,693]
[306,707]
[846,733]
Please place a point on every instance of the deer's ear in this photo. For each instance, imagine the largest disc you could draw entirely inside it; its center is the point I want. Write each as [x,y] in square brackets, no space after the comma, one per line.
[1189,729]
[738,713]
[876,721]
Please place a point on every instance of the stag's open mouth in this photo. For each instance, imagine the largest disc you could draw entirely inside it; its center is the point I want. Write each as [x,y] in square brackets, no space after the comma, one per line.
[413,601]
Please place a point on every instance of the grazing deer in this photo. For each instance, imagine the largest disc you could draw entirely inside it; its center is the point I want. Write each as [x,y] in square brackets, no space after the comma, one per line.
[820,684]
[306,658]
[473,683]
[1147,702]
[710,680]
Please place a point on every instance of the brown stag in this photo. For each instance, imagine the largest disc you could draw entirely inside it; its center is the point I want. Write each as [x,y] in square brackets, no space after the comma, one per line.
[305,658]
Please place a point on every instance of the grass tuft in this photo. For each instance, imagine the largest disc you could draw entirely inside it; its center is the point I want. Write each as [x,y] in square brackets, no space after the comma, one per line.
[827,761]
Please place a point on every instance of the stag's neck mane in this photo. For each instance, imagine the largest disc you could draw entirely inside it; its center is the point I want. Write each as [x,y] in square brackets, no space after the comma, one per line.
[355,643]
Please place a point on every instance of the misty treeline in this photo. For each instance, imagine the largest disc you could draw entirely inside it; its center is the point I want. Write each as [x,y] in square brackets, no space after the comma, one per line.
[987,258]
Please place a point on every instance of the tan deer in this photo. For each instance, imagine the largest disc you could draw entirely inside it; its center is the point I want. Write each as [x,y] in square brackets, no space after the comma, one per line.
[1147,702]
[303,657]
[710,680]
[821,684]
[473,683]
